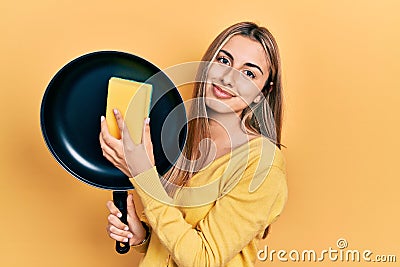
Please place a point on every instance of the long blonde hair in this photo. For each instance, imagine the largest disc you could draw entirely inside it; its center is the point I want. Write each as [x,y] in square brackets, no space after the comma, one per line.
[263,118]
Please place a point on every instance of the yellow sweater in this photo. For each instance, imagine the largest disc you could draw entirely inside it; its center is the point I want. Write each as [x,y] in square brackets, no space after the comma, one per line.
[219,218]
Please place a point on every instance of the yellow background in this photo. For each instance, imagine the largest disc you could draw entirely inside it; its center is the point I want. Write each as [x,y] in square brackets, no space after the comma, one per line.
[341,127]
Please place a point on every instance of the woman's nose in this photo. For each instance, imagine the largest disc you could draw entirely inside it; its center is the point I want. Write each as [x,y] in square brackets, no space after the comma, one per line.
[228,77]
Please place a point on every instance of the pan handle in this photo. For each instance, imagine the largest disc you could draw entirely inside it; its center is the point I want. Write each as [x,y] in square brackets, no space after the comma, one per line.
[119,198]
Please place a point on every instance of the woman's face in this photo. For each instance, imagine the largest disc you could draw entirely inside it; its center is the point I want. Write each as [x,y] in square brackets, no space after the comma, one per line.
[236,76]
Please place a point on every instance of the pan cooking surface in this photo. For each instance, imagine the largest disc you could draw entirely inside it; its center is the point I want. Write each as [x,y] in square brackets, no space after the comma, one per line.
[76,98]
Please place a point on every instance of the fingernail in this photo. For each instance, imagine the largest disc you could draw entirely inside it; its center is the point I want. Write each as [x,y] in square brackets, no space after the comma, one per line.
[126,228]
[147,120]
[115,111]
[102,118]
[125,240]
[119,215]
[130,236]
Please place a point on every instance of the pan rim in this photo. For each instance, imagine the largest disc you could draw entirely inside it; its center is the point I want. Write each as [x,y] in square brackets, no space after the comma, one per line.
[44,130]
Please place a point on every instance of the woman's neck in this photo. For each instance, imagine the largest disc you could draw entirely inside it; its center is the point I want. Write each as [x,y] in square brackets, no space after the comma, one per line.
[226,130]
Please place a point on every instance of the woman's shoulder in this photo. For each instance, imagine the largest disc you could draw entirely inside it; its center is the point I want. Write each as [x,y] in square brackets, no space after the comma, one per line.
[267,166]
[266,152]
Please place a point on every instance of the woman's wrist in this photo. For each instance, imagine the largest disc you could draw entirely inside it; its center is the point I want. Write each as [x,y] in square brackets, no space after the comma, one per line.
[146,237]
[134,171]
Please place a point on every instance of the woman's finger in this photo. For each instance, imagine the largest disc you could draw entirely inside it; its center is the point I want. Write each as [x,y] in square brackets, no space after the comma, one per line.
[146,140]
[104,147]
[113,209]
[130,206]
[116,222]
[114,230]
[128,145]
[118,238]
[146,131]
[104,125]
[110,158]
[119,118]
[110,140]
[110,144]
[113,153]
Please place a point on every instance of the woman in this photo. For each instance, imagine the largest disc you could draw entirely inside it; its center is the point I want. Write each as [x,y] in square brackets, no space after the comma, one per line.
[229,184]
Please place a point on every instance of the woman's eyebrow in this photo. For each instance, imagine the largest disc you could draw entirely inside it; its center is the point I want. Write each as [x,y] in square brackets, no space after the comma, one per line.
[227,53]
[254,66]
[246,64]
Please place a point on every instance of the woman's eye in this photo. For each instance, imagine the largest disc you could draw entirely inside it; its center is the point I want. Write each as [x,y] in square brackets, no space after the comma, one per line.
[249,74]
[223,60]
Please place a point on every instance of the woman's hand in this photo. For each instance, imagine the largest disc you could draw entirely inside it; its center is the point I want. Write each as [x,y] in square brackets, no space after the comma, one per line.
[134,231]
[139,157]
[112,148]
[130,158]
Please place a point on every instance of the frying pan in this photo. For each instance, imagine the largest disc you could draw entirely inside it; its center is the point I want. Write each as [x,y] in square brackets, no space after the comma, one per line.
[70,113]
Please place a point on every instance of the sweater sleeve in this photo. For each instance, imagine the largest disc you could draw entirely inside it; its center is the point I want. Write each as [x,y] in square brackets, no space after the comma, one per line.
[231,224]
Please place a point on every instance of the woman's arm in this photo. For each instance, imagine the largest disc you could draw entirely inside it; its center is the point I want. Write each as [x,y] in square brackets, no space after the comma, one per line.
[230,225]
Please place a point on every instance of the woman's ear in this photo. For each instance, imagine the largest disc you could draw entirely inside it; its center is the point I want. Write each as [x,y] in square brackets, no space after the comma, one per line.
[257,99]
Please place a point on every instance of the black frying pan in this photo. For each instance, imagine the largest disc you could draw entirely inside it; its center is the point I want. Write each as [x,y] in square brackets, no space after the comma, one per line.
[70,113]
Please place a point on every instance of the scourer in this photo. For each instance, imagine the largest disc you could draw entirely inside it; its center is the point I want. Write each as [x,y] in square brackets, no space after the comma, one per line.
[132,99]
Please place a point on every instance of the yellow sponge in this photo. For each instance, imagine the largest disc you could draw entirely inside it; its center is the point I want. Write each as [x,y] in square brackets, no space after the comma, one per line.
[132,99]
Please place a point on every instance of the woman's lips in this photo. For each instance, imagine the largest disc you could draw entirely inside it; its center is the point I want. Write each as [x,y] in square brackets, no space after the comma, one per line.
[218,92]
